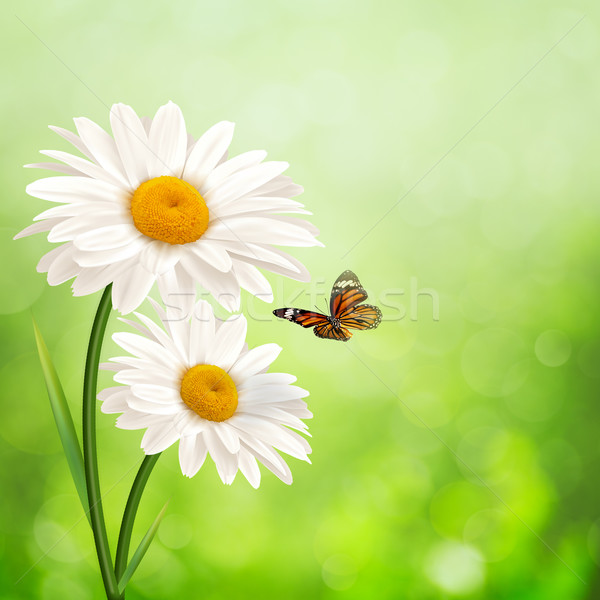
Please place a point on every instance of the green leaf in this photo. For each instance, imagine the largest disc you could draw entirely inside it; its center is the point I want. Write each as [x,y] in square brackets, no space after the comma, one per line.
[63,419]
[136,559]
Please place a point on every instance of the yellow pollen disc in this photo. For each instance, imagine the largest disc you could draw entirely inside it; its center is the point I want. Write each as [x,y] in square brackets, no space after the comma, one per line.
[170,210]
[209,392]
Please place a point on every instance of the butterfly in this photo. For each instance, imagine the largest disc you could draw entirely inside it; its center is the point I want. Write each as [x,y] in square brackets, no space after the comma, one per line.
[346,311]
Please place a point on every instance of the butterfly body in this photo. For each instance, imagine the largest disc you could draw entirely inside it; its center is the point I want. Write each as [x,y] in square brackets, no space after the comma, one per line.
[347,312]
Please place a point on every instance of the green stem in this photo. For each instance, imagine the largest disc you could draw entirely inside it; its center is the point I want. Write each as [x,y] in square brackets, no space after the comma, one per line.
[90,456]
[133,502]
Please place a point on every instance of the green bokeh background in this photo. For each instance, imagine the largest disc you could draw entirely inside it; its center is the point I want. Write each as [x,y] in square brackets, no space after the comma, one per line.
[451,458]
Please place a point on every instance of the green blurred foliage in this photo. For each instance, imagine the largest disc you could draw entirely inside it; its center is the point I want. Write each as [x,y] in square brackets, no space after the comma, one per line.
[451,147]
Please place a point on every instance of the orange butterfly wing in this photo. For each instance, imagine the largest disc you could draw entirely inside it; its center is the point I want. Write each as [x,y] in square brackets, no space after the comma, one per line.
[365,316]
[305,318]
[329,331]
[347,292]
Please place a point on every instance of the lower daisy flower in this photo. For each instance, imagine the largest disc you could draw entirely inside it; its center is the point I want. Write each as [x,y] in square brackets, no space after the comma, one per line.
[197,382]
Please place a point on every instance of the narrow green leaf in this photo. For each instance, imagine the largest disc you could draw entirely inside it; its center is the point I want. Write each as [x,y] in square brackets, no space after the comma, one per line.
[136,559]
[63,419]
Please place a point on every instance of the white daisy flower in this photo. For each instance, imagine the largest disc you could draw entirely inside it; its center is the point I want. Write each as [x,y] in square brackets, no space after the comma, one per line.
[197,382]
[152,204]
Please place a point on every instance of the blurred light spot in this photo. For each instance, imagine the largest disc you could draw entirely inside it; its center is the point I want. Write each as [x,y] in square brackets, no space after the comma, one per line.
[454,504]
[339,572]
[455,568]
[493,531]
[553,348]
[175,531]
[53,533]
[20,284]
[494,362]
[541,397]
[486,451]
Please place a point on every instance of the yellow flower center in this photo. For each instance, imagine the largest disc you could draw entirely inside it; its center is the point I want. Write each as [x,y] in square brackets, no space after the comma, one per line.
[170,210]
[209,392]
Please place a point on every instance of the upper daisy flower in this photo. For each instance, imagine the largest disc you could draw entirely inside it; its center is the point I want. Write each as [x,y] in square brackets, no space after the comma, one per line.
[152,204]
[198,383]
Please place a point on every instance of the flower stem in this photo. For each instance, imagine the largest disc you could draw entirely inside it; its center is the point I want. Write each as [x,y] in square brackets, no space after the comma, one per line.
[90,456]
[135,495]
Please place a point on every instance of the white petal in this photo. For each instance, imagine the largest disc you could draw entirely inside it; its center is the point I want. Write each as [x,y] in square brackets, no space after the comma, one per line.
[262,229]
[75,209]
[38,227]
[116,403]
[144,348]
[132,143]
[282,186]
[63,267]
[92,279]
[135,420]
[270,433]
[249,467]
[211,253]
[257,204]
[223,286]
[73,139]
[272,393]
[56,167]
[84,166]
[168,142]
[202,333]
[297,271]
[252,280]
[131,288]
[207,153]
[152,408]
[75,189]
[243,182]
[228,437]
[157,439]
[157,394]
[99,258]
[178,292]
[254,361]
[158,334]
[229,342]
[192,454]
[105,238]
[135,376]
[102,147]
[231,166]
[263,379]
[73,227]
[258,253]
[158,257]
